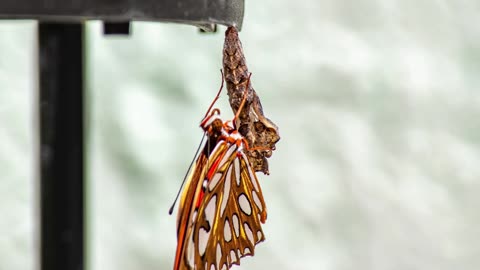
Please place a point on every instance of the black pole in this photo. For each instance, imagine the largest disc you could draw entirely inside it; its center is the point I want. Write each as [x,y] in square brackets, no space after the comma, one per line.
[61,145]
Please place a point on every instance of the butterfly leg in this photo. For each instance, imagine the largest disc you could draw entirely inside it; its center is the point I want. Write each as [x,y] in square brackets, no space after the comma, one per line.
[243,100]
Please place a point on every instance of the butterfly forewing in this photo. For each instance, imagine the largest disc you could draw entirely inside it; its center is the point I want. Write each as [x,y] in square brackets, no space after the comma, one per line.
[227,211]
[186,209]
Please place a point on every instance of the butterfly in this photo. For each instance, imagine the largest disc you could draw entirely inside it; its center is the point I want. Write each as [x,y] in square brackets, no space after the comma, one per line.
[222,206]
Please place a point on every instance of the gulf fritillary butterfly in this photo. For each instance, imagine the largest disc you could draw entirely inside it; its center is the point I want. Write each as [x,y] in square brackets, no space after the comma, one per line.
[222,206]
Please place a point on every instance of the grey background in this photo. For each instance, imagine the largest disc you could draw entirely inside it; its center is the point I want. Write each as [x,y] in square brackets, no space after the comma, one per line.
[377,104]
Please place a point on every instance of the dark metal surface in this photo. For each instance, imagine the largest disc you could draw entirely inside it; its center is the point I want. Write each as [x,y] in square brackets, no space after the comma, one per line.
[61,145]
[202,13]
[120,28]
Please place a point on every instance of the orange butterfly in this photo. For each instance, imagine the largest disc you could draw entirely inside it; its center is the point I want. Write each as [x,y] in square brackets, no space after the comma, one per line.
[222,206]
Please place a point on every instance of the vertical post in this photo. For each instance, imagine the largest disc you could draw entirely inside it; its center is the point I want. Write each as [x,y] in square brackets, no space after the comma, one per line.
[61,145]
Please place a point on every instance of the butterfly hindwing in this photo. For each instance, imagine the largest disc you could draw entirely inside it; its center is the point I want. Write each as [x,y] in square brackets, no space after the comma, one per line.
[226,226]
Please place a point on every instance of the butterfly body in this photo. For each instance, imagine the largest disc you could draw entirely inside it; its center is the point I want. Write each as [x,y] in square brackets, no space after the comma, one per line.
[222,206]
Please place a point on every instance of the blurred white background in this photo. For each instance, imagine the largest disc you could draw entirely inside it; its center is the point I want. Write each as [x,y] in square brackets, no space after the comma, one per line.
[377,105]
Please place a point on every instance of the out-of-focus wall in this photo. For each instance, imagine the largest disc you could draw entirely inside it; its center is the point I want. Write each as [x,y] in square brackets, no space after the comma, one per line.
[17,166]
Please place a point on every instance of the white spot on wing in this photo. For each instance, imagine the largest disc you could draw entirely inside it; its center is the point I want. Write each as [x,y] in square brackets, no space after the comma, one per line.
[210,210]
[257,201]
[219,253]
[224,267]
[226,191]
[227,231]
[233,256]
[214,181]
[227,155]
[246,251]
[204,183]
[236,225]
[236,166]
[190,252]
[244,204]
[194,216]
[249,233]
[212,267]
[259,235]
[203,236]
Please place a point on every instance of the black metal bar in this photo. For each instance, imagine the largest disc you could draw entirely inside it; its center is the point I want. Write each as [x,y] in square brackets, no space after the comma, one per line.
[61,145]
[202,13]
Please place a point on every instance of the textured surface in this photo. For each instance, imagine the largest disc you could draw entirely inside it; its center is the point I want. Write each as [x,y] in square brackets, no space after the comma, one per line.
[259,131]
[377,167]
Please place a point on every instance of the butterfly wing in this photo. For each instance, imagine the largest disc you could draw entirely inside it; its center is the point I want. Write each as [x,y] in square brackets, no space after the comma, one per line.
[225,222]
[186,208]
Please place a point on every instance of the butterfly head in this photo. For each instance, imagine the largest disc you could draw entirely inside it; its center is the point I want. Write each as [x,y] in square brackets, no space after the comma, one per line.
[212,123]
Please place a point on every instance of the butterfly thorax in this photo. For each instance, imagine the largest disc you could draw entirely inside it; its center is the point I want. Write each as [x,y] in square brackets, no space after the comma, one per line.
[216,129]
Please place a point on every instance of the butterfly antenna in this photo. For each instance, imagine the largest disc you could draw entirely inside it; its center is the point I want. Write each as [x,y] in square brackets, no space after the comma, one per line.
[186,174]
[243,100]
[216,97]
